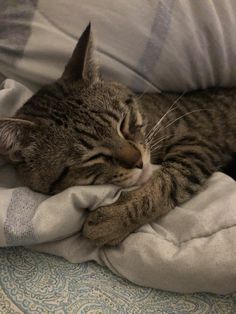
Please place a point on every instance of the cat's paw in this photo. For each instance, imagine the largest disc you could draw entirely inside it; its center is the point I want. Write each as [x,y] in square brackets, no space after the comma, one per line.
[107,225]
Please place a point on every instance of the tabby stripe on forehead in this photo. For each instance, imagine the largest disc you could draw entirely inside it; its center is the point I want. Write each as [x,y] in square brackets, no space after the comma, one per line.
[106,121]
[92,117]
[100,123]
[102,114]
[112,114]
[85,133]
[85,117]
[48,115]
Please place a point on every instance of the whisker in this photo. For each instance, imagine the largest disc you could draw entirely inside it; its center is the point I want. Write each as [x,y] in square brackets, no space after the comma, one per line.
[186,114]
[143,93]
[159,146]
[160,140]
[153,130]
[154,147]
[158,123]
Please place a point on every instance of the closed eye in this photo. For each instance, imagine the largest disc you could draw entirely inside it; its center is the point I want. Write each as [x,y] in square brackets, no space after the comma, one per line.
[98,156]
[131,124]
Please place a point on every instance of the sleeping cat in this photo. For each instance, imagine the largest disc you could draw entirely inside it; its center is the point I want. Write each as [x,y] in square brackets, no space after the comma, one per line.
[81,130]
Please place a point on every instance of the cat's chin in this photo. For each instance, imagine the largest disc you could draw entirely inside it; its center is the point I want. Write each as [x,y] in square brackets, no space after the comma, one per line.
[146,173]
[141,176]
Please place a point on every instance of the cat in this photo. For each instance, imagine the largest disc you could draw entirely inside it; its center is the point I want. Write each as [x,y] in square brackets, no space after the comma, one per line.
[81,130]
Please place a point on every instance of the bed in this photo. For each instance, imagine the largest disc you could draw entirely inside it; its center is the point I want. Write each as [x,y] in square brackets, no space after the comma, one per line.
[176,48]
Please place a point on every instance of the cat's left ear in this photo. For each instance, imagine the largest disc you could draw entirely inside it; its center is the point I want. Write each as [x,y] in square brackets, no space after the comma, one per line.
[81,65]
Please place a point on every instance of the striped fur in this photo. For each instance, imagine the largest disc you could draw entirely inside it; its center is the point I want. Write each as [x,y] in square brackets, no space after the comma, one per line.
[195,139]
[82,130]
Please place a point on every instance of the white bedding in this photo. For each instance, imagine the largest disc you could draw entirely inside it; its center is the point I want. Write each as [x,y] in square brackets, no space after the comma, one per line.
[174,45]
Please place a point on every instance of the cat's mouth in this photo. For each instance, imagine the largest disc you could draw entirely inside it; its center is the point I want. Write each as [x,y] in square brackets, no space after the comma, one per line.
[141,176]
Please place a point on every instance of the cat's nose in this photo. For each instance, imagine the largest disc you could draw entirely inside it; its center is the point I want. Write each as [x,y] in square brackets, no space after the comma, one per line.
[129,156]
[139,163]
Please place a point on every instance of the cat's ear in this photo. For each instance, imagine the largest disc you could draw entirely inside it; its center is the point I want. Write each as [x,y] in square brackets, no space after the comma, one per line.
[13,137]
[81,65]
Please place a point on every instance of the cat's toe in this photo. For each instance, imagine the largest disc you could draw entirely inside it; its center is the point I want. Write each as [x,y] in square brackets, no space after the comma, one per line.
[95,218]
[104,227]
[97,225]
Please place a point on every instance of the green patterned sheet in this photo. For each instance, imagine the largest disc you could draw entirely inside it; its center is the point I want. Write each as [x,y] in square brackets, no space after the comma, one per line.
[38,283]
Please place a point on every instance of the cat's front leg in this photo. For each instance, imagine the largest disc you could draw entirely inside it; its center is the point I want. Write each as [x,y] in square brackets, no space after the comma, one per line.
[111,224]
[181,175]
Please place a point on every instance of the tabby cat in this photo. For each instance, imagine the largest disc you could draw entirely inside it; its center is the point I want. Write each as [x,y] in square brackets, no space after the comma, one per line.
[81,130]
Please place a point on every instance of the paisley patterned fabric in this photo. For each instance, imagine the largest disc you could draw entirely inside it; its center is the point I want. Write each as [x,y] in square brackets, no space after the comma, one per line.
[37,283]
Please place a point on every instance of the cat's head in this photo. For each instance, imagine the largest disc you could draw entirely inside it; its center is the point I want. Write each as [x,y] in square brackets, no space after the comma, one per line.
[79,130]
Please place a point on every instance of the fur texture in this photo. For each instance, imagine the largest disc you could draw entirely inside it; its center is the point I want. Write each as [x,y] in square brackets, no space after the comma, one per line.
[81,130]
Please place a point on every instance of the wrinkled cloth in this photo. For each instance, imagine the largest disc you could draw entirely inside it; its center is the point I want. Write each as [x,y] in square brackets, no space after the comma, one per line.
[148,45]
[193,248]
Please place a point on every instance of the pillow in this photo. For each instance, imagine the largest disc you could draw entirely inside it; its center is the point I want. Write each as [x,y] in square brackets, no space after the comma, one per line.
[146,44]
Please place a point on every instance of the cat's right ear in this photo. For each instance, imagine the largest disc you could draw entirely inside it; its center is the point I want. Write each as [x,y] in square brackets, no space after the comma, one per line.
[81,65]
[14,134]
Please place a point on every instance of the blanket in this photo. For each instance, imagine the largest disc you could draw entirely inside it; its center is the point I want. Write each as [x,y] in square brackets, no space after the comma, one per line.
[178,45]
[190,249]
